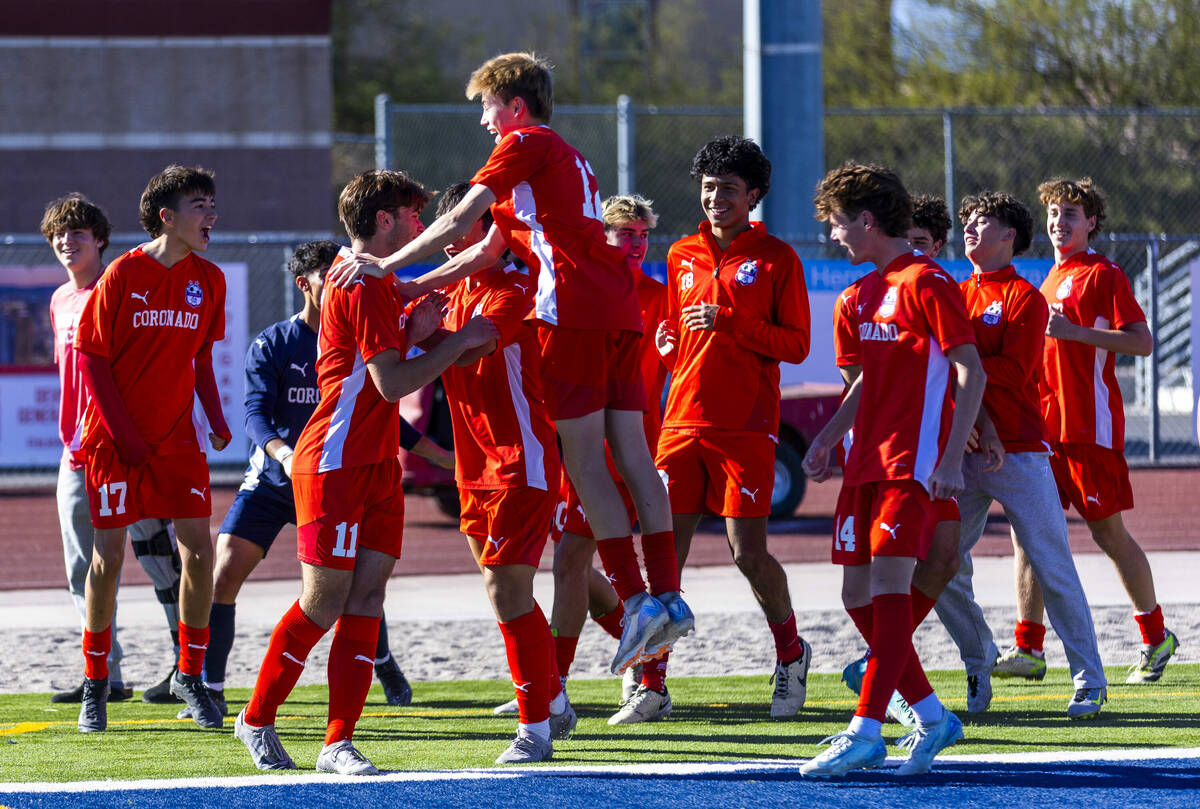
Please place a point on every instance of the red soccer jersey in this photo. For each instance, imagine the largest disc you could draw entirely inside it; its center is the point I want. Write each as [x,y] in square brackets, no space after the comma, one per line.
[908,317]
[652,299]
[1081,401]
[353,424]
[728,379]
[503,436]
[149,322]
[66,305]
[1009,317]
[845,327]
[548,209]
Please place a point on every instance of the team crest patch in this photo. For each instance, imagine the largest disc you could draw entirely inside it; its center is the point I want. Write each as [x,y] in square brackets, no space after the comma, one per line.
[992,314]
[193,294]
[1064,289]
[888,307]
[747,272]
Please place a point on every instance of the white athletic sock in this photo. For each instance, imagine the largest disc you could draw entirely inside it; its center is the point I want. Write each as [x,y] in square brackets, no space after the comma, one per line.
[866,727]
[929,710]
[539,729]
[216,686]
[559,703]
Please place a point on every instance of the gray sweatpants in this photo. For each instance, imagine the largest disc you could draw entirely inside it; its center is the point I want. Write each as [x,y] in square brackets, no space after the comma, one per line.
[153,546]
[1025,487]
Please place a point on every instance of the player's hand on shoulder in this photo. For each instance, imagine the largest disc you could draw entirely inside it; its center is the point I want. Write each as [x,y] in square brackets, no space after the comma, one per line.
[666,338]
[426,316]
[345,273]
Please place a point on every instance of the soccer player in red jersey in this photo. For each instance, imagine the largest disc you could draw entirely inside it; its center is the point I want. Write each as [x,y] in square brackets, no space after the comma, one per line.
[546,207]
[508,472]
[145,342]
[909,441]
[736,307]
[346,477]
[1093,317]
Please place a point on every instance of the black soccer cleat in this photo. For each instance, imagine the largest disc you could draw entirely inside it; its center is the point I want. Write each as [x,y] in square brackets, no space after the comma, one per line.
[93,706]
[396,689]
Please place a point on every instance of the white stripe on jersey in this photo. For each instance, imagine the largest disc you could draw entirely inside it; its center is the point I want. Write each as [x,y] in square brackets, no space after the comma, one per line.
[546,300]
[937,371]
[1104,424]
[339,421]
[258,460]
[534,452]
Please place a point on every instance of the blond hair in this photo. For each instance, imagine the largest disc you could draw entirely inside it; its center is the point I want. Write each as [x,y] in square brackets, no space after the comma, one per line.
[633,208]
[512,75]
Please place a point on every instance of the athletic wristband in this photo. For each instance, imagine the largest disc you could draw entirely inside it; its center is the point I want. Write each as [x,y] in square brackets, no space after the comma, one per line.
[283,454]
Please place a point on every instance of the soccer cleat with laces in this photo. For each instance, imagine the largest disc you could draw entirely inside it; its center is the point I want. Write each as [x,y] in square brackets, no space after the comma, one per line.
[396,689]
[979,692]
[509,707]
[899,710]
[630,681]
[847,751]
[646,705]
[1153,660]
[75,695]
[342,758]
[160,692]
[263,743]
[192,690]
[93,706]
[1086,703]
[791,684]
[926,741]
[681,622]
[562,724]
[218,698]
[1018,662]
[644,616]
[854,672]
[527,749]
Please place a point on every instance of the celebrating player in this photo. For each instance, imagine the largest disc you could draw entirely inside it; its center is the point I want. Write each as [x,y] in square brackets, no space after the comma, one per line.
[145,345]
[346,477]
[736,307]
[907,449]
[546,205]
[1093,317]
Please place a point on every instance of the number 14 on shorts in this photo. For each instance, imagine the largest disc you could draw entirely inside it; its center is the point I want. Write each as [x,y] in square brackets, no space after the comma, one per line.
[346,531]
[844,538]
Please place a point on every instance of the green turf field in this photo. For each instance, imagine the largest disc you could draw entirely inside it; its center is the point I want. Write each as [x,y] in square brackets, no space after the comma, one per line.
[451,726]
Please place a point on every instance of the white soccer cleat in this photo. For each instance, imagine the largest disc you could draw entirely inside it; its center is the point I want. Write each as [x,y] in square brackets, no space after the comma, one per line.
[630,681]
[926,741]
[646,705]
[263,744]
[791,684]
[527,749]
[681,622]
[341,758]
[509,707]
[644,616]
[979,692]
[562,724]
[1153,660]
[847,751]
[1086,703]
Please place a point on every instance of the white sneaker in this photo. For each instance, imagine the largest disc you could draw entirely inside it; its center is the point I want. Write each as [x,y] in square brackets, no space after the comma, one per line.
[509,707]
[263,744]
[1023,663]
[342,758]
[847,751]
[630,681]
[791,684]
[1086,703]
[644,616]
[979,692]
[646,705]
[927,741]
[527,749]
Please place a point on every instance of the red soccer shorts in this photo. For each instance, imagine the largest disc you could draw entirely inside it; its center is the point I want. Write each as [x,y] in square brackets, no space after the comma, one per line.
[511,525]
[730,476]
[585,370]
[340,511]
[166,486]
[896,518]
[946,510]
[1093,479]
[575,518]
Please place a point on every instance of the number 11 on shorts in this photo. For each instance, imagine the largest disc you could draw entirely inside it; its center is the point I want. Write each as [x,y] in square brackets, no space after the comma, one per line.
[340,548]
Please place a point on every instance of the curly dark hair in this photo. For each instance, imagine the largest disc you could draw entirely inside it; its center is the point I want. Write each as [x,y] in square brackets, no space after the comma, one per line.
[858,187]
[166,188]
[312,257]
[76,212]
[1007,210]
[741,157]
[1083,192]
[930,213]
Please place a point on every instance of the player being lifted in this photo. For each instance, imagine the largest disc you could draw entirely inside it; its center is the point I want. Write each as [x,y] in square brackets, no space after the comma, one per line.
[736,307]
[907,449]
[78,232]
[1093,317]
[281,395]
[546,205]
[145,342]
[346,477]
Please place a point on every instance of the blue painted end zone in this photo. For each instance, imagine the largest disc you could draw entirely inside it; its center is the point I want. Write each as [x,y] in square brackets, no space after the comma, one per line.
[1162,783]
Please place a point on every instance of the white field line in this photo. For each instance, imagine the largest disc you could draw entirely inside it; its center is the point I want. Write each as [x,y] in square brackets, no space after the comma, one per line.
[669,769]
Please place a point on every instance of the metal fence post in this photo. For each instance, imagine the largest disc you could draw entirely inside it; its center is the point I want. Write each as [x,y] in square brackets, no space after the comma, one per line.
[1152,254]
[383,140]
[948,168]
[626,155]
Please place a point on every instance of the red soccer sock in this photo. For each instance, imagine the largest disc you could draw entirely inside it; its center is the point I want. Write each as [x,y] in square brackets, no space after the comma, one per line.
[553,680]
[891,646]
[193,643]
[654,673]
[292,640]
[96,646]
[1030,635]
[526,642]
[351,666]
[1151,624]
[787,640]
[662,567]
[864,619]
[621,564]
[922,606]
[610,621]
[564,653]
